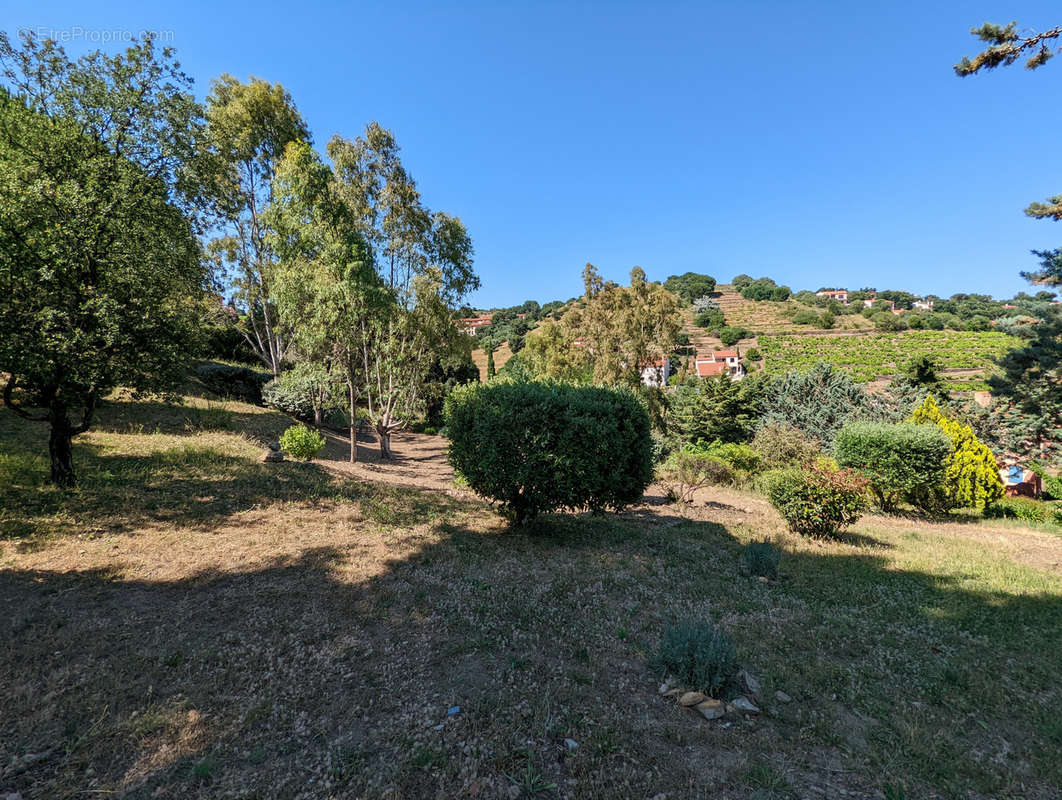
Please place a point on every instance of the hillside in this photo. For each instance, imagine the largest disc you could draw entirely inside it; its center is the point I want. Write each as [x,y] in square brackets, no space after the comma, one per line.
[967,357]
[766,316]
[501,355]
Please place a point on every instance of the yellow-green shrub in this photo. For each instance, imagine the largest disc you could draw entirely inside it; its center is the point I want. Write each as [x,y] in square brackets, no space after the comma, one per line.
[971,475]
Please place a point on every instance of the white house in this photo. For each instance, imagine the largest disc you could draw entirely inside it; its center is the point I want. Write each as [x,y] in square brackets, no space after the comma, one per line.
[840,295]
[720,362]
[657,372]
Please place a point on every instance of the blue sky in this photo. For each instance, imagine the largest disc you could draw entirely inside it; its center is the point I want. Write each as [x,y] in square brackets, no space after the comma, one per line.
[817,143]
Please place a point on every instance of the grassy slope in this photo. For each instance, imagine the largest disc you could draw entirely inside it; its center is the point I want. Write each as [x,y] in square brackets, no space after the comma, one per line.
[191,622]
[501,356]
[769,317]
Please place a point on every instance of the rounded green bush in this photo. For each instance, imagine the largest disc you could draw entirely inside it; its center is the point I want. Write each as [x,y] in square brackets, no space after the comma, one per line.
[896,459]
[699,655]
[301,442]
[538,447]
[1025,509]
[306,392]
[817,500]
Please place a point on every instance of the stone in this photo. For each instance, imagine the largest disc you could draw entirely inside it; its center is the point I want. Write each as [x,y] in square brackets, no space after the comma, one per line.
[749,683]
[712,709]
[675,692]
[665,687]
[692,698]
[745,705]
[273,457]
[782,697]
[274,446]
[571,744]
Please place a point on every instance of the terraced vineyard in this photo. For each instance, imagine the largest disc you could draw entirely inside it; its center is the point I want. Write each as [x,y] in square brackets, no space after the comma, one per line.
[770,317]
[967,357]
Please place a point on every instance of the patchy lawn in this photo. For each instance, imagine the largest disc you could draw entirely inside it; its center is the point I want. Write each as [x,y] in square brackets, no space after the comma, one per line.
[191,622]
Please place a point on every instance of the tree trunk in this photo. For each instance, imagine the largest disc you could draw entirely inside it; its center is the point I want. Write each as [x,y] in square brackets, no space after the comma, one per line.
[353,423]
[61,450]
[385,442]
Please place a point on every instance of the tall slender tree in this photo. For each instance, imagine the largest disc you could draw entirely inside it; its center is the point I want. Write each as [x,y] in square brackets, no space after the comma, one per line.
[424,261]
[323,283]
[249,125]
[100,268]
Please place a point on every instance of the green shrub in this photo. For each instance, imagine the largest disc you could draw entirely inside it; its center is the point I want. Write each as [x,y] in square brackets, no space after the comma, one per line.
[301,442]
[699,655]
[306,392]
[897,460]
[690,285]
[691,469]
[537,447]
[739,456]
[781,445]
[710,319]
[805,316]
[817,500]
[761,559]
[827,320]
[731,335]
[238,383]
[753,354]
[1025,509]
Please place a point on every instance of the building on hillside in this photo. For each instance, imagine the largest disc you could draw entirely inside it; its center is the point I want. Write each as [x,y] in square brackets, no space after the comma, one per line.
[720,362]
[870,301]
[925,305]
[656,373]
[840,295]
[471,325]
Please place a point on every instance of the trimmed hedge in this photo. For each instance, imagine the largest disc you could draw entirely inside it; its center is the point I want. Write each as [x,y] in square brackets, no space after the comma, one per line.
[898,460]
[538,447]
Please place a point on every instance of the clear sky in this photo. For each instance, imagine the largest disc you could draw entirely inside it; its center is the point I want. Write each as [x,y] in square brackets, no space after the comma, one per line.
[818,143]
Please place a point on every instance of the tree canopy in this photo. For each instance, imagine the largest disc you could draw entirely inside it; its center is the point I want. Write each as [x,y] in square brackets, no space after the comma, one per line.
[100,269]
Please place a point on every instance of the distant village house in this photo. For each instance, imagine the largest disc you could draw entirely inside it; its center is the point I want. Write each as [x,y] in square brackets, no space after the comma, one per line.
[840,295]
[720,362]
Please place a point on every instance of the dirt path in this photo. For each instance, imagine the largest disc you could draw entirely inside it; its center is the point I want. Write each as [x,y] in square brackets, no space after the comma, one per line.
[419,461]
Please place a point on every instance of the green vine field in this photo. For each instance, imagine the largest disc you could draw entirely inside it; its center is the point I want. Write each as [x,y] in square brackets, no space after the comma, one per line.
[873,356]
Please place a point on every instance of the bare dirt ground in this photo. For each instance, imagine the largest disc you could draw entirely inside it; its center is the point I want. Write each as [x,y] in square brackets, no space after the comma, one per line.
[419,461]
[193,623]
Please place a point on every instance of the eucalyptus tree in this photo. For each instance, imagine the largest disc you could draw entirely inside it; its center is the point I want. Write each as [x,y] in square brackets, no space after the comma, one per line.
[621,329]
[249,125]
[323,283]
[100,267]
[422,259]
[367,277]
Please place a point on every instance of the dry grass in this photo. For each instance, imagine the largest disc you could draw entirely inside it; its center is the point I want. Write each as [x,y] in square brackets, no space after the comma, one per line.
[191,622]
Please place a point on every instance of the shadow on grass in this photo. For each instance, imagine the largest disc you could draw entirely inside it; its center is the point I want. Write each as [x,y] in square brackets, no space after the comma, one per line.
[265,678]
[190,483]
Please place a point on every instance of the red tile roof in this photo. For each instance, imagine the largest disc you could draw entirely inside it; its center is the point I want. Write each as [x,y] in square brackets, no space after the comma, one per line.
[708,368]
[725,354]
